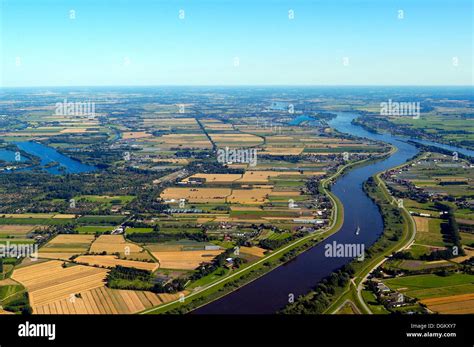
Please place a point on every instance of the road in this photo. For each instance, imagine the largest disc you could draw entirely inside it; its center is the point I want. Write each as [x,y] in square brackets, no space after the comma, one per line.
[403,246]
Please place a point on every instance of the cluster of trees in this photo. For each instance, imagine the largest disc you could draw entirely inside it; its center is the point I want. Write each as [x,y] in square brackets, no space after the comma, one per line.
[218,262]
[212,167]
[40,192]
[277,243]
[314,187]
[320,298]
[20,304]
[140,224]
[155,236]
[121,277]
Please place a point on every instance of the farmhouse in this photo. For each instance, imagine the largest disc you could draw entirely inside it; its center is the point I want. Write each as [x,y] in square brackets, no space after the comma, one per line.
[382,288]
[308,221]
[395,299]
[196,180]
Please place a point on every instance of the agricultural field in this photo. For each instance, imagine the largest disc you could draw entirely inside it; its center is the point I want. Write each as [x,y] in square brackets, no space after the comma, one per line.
[184,260]
[146,191]
[110,261]
[104,300]
[111,244]
[203,195]
[49,281]
[65,246]
[454,304]
[432,286]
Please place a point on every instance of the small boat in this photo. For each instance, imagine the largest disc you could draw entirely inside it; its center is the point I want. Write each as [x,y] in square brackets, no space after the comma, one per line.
[358,230]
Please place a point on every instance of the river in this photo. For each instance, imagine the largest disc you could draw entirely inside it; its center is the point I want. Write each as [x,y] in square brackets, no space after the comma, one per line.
[271,292]
[47,155]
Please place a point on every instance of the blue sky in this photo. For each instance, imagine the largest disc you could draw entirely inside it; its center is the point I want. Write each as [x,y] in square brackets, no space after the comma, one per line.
[144,42]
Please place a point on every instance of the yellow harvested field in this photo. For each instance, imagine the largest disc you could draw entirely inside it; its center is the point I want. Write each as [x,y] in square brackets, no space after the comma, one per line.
[422,224]
[16,229]
[236,138]
[469,253]
[185,260]
[249,196]
[64,216]
[455,304]
[245,208]
[112,261]
[291,193]
[204,219]
[256,251]
[113,244]
[68,243]
[74,131]
[182,161]
[104,300]
[27,215]
[72,238]
[216,178]
[48,281]
[196,194]
[2,311]
[135,135]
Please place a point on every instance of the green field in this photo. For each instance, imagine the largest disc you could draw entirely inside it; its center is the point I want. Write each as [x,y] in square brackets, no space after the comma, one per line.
[92,229]
[138,230]
[35,221]
[110,220]
[9,290]
[426,286]
[371,301]
[433,237]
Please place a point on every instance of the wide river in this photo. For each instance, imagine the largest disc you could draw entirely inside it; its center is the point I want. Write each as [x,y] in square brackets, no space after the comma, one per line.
[270,292]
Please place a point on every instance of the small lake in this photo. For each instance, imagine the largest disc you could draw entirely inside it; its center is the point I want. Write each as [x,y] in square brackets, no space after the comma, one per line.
[300,119]
[47,155]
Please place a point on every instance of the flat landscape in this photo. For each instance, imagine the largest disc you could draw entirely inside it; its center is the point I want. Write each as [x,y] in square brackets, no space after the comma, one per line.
[129,213]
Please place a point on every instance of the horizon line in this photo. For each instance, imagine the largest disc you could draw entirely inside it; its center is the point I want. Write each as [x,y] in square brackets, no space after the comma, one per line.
[240,85]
